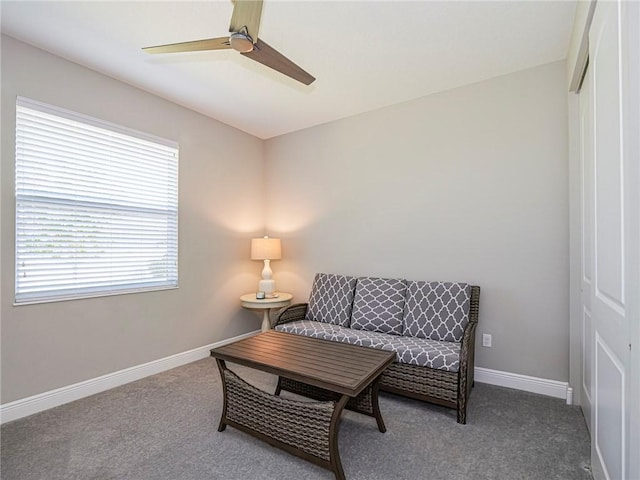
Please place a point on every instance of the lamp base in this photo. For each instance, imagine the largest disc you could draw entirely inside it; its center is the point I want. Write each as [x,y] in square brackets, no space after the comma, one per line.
[268,287]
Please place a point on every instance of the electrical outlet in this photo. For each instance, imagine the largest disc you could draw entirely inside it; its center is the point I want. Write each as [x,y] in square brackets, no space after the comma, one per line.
[486,340]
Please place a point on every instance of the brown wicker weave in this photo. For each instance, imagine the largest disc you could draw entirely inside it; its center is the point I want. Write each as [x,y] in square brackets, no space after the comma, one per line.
[302,425]
[365,403]
[450,389]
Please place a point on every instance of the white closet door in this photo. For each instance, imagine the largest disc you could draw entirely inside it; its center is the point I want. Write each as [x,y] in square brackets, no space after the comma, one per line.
[614,276]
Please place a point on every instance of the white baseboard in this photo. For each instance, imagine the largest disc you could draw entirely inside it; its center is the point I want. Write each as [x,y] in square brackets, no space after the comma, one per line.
[551,388]
[53,398]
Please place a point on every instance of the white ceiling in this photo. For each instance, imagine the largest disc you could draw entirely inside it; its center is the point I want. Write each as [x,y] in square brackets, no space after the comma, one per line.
[364,54]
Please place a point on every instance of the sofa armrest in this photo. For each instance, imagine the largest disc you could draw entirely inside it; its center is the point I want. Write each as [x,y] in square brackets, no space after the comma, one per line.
[466,371]
[467,349]
[291,313]
[467,356]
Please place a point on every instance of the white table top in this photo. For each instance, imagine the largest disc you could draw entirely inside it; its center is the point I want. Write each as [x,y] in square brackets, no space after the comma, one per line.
[249,300]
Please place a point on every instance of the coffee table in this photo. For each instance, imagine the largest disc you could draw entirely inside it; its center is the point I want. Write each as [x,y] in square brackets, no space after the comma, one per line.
[337,374]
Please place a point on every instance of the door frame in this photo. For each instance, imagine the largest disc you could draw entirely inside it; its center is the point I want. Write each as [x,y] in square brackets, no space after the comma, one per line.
[576,72]
[633,151]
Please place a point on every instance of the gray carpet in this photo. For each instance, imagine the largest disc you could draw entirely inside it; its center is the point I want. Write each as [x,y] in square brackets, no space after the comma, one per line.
[164,427]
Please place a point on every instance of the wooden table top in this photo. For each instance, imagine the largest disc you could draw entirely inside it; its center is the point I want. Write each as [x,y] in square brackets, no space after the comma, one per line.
[249,300]
[334,366]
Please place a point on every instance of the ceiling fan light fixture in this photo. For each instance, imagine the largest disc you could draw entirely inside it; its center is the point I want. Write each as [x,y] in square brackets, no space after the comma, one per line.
[241,42]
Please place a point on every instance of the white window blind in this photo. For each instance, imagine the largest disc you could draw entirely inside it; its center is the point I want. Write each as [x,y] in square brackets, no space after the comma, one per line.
[96,207]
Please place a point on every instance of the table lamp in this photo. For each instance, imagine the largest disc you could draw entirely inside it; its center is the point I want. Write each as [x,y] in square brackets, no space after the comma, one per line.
[266,249]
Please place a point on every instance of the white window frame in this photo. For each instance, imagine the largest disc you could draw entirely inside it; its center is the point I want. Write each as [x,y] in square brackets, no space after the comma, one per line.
[133,219]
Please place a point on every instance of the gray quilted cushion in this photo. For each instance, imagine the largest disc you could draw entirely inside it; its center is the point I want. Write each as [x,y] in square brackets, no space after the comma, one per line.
[412,350]
[331,299]
[379,304]
[309,328]
[437,310]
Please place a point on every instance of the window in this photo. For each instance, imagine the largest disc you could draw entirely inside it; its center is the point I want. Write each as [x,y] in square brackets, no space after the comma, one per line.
[96,207]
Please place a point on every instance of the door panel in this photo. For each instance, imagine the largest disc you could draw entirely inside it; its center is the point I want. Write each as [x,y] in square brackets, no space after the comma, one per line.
[609,251]
[609,443]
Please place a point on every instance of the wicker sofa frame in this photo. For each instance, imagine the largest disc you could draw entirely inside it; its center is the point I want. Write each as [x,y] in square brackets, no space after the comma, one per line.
[449,389]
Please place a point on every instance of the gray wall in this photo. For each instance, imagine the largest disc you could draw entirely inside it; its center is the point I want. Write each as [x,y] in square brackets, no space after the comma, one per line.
[467,185]
[52,345]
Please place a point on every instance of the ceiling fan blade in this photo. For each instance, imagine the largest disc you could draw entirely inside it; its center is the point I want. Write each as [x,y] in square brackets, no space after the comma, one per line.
[197,45]
[266,55]
[246,13]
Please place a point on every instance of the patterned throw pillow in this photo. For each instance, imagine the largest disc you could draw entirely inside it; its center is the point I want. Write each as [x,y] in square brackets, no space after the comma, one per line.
[331,299]
[379,304]
[437,310]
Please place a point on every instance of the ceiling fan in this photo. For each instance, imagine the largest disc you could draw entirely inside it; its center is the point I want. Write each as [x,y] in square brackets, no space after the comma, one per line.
[243,38]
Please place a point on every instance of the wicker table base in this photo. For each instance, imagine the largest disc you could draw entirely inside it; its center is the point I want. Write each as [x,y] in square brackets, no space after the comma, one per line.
[335,375]
[365,403]
[306,429]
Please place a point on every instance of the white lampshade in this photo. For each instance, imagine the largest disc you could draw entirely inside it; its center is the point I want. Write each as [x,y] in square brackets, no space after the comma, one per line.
[266,249]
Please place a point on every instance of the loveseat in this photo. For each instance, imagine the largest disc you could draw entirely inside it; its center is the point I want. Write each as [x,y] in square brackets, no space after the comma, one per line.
[429,325]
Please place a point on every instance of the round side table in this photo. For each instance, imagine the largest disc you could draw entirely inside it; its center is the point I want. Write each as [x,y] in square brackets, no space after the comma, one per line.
[249,300]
